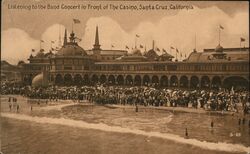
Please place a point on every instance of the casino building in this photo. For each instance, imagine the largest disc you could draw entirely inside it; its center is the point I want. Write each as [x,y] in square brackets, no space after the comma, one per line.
[72,65]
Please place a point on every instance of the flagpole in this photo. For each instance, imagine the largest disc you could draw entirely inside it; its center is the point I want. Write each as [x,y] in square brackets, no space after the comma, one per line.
[195,41]
[219,35]
[135,41]
[240,44]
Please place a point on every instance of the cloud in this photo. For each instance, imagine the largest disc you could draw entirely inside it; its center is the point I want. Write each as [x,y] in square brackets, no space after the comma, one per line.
[178,31]
[16,45]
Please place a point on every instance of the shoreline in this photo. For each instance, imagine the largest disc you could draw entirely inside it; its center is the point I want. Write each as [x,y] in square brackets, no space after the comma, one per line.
[178,109]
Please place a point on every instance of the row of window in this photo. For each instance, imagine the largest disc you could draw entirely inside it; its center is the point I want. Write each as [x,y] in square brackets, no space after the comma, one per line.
[69,67]
[172,67]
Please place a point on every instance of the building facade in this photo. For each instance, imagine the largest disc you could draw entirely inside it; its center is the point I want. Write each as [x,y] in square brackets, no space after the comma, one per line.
[72,65]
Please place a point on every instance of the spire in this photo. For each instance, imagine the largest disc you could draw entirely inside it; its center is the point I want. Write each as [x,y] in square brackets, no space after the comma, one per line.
[153,45]
[96,45]
[65,38]
[59,41]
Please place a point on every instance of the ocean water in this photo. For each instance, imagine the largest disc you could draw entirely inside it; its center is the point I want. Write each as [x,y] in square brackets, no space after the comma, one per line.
[101,129]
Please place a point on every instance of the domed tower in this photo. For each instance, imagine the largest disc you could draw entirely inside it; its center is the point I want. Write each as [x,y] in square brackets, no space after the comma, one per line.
[219,54]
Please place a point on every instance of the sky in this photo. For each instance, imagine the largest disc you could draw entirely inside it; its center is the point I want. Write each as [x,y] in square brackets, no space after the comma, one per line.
[23,29]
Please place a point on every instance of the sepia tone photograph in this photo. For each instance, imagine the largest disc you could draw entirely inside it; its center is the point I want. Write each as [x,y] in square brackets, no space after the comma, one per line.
[128,77]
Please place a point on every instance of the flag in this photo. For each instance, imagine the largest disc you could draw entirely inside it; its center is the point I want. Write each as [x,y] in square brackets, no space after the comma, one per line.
[221,27]
[76,21]
[32,50]
[141,46]
[164,50]
[171,47]
[42,40]
[79,40]
[127,47]
[242,39]
[52,42]
[158,49]
[137,35]
[177,50]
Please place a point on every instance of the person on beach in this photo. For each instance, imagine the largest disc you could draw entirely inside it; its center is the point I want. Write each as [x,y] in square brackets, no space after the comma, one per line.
[10,106]
[17,108]
[212,124]
[186,133]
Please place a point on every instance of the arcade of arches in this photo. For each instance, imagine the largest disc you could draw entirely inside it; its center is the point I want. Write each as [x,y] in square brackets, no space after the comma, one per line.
[159,81]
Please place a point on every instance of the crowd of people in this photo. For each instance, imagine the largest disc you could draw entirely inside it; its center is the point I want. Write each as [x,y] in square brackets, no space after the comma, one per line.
[216,100]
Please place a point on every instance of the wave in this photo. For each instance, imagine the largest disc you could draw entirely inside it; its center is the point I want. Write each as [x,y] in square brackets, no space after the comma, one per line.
[220,146]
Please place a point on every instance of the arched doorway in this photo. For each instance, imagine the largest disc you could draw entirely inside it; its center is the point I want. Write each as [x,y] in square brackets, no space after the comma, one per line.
[146,80]
[28,79]
[194,82]
[216,82]
[68,81]
[86,79]
[164,81]
[78,79]
[103,79]
[94,79]
[174,81]
[111,80]
[137,80]
[59,79]
[129,80]
[184,82]
[205,82]
[52,78]
[155,80]
[236,81]
[120,80]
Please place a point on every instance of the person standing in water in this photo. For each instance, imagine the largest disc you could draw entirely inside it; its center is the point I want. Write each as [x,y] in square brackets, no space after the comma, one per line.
[212,124]
[10,105]
[186,133]
[17,108]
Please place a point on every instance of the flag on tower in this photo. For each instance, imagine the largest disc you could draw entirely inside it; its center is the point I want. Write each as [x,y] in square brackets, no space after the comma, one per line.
[32,50]
[141,46]
[221,27]
[172,47]
[242,39]
[164,50]
[42,40]
[76,21]
[137,35]
[127,47]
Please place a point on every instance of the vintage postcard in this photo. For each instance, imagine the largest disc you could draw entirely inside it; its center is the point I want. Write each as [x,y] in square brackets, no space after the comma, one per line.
[130,77]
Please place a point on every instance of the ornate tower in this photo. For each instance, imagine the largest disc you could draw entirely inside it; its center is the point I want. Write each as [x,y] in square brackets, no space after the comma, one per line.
[96,45]
[65,38]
